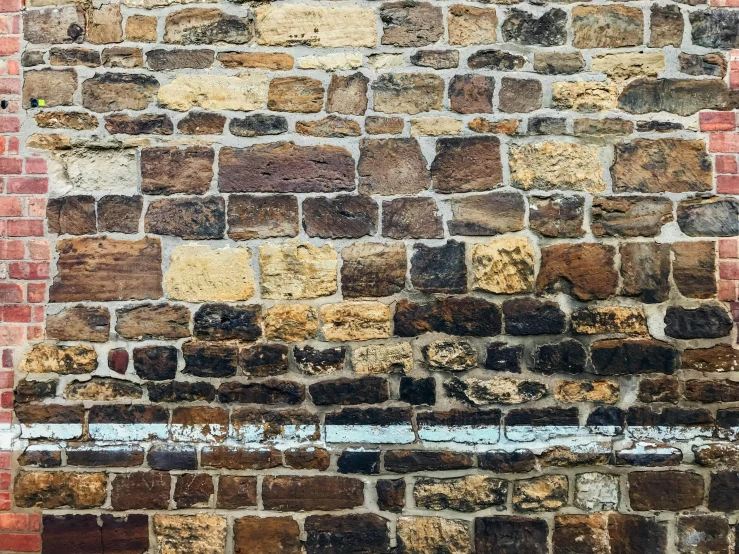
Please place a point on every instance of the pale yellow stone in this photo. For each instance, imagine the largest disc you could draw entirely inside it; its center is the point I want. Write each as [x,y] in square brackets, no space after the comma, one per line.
[383,358]
[556,165]
[612,319]
[332,62]
[199,273]
[49,141]
[470,25]
[629,65]
[503,266]
[355,321]
[424,535]
[243,92]
[149,4]
[297,270]
[50,358]
[291,322]
[584,96]
[587,391]
[385,61]
[196,534]
[435,126]
[315,25]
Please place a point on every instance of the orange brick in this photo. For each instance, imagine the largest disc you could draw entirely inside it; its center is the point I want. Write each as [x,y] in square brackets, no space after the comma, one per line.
[727,291]
[726,164]
[723,142]
[717,121]
[728,248]
[22,542]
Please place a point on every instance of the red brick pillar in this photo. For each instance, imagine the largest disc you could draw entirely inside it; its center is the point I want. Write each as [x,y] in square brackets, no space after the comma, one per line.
[24,266]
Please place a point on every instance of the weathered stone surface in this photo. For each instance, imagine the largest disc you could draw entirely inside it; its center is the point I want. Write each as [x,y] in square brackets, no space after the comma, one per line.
[439,269]
[694,268]
[715,28]
[108,92]
[188,218]
[73,215]
[48,490]
[383,358]
[410,23]
[435,126]
[607,26]
[712,216]
[472,93]
[503,266]
[193,534]
[557,216]
[360,533]
[392,166]
[202,123]
[602,129]
[285,167]
[556,165]
[587,391]
[291,322]
[103,389]
[586,271]
[511,534]
[522,27]
[277,61]
[44,358]
[74,56]
[713,65]
[200,273]
[628,216]
[317,26]
[149,321]
[332,62]
[666,26]
[79,323]
[645,269]
[206,26]
[258,125]
[487,214]
[678,96]
[540,494]
[329,127]
[347,94]
[54,25]
[631,357]
[123,57]
[584,96]
[464,316]
[289,493]
[145,124]
[171,170]
[519,95]
[555,63]
[319,362]
[665,490]
[141,28]
[467,164]
[528,316]
[344,216]
[226,322]
[498,390]
[271,535]
[447,355]
[708,321]
[470,25]
[243,92]
[95,170]
[421,535]
[55,86]
[295,94]
[79,121]
[371,269]
[568,356]
[495,59]
[721,357]
[355,321]
[252,217]
[98,269]
[408,93]
[297,270]
[596,320]
[376,125]
[462,494]
[104,24]
[412,218]
[166,60]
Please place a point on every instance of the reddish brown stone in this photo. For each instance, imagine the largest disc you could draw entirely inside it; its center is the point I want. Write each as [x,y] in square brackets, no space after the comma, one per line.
[411,218]
[307,458]
[287,493]
[694,268]
[226,457]
[269,535]
[343,216]
[630,216]
[471,93]
[118,360]
[119,214]
[586,271]
[71,215]
[235,492]
[171,170]
[153,321]
[392,167]
[187,217]
[192,489]
[557,216]
[79,323]
[665,490]
[487,214]
[202,123]
[100,269]
[295,94]
[143,490]
[645,269]
[467,164]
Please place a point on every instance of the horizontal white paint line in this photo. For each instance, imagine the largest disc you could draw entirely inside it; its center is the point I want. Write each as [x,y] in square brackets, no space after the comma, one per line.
[667,433]
[728,433]
[529,433]
[255,433]
[128,431]
[58,431]
[464,434]
[371,434]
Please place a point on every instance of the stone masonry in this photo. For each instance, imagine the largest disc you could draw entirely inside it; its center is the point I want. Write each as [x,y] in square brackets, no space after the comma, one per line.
[364,277]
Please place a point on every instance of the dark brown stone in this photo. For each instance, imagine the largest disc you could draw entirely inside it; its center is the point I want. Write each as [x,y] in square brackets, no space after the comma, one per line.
[228,457]
[520,95]
[71,215]
[438,59]
[471,93]
[146,124]
[439,269]
[645,271]
[722,357]
[188,218]
[702,534]
[79,323]
[153,321]
[202,123]
[630,216]
[143,490]
[290,493]
[632,533]
[167,60]
[307,458]
[156,363]
[511,535]
[679,96]
[268,535]
[467,164]
[391,495]
[667,25]
[285,167]
[694,268]
[74,56]
[109,92]
[251,217]
[343,216]
[235,492]
[586,270]
[626,357]
[193,489]
[659,389]
[392,167]
[557,216]
[665,490]
[172,170]
[487,214]
[263,360]
[411,218]
[371,269]
[99,269]
[119,214]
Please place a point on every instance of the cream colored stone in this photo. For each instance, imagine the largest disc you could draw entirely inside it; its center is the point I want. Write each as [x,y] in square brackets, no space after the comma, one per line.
[584,96]
[385,61]
[149,4]
[424,535]
[383,358]
[556,165]
[587,391]
[332,62]
[355,321]
[629,65]
[470,25]
[243,92]
[435,126]
[297,270]
[49,141]
[198,534]
[503,266]
[93,170]
[66,360]
[315,25]
[291,322]
[199,273]
[469,493]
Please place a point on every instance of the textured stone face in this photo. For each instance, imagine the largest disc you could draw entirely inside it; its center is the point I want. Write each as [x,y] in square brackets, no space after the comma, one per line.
[200,534]
[503,266]
[410,93]
[429,534]
[244,92]
[555,165]
[463,494]
[466,165]
[355,321]
[370,269]
[296,270]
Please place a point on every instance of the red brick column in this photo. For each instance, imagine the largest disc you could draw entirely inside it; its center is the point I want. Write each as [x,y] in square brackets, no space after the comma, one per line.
[24,266]
[724,143]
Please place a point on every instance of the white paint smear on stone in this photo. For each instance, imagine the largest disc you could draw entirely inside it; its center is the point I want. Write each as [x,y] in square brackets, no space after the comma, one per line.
[466,434]
[667,433]
[255,433]
[206,432]
[128,431]
[370,434]
[728,433]
[58,431]
[529,433]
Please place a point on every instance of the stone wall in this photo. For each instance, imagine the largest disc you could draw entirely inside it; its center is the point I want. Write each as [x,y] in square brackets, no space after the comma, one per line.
[370,277]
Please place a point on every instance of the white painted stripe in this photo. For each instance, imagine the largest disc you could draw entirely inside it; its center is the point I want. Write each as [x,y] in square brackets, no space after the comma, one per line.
[665,433]
[59,431]
[529,433]
[644,448]
[255,433]
[207,432]
[608,430]
[464,434]
[371,434]
[728,433]
[128,431]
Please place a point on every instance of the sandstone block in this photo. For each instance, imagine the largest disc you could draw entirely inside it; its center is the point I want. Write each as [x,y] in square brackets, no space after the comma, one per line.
[295,94]
[355,321]
[371,269]
[243,92]
[627,216]
[343,216]
[522,27]
[628,66]
[108,92]
[540,494]
[104,24]
[271,535]
[196,534]
[408,93]
[48,490]
[188,217]
[439,269]
[411,23]
[291,322]
[383,358]
[54,25]
[415,218]
[347,94]
[694,268]
[462,494]
[503,266]
[584,96]
[79,323]
[471,93]
[467,165]
[65,360]
[470,25]
[420,535]
[556,165]
[391,167]
[607,26]
[206,26]
[586,271]
[557,216]
[55,86]
[297,270]
[257,217]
